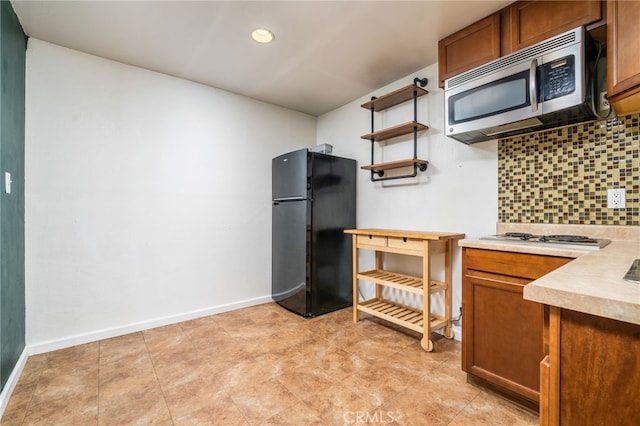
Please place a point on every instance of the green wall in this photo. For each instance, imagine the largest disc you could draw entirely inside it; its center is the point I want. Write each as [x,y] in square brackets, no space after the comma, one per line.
[12,83]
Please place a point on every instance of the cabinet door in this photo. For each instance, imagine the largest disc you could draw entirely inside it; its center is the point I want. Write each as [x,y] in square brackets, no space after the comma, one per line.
[599,370]
[470,47]
[545,379]
[534,21]
[623,55]
[502,333]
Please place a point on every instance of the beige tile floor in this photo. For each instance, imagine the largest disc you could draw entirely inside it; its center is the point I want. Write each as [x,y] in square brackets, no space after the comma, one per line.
[255,366]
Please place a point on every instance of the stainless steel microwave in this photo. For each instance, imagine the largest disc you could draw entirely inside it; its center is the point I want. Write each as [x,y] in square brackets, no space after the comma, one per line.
[542,86]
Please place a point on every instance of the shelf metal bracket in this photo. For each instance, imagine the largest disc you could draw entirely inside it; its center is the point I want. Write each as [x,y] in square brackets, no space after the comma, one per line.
[422,81]
[380,173]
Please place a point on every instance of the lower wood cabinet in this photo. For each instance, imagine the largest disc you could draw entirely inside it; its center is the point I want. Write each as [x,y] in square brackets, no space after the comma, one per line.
[591,374]
[502,342]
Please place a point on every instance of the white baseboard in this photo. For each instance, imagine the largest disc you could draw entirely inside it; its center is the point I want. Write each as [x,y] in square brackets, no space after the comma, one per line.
[12,381]
[79,339]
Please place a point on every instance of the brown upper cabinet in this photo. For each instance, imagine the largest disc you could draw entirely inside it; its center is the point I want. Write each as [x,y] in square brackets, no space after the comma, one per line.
[534,21]
[519,25]
[473,46]
[623,56]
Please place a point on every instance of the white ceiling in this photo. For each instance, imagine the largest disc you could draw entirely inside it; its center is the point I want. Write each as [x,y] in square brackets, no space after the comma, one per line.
[326,53]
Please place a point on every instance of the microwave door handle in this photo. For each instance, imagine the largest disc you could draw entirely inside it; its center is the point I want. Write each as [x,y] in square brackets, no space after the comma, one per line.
[533,92]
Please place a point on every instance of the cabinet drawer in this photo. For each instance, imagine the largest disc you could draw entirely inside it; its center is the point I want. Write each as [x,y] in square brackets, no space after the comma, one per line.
[526,266]
[405,243]
[372,240]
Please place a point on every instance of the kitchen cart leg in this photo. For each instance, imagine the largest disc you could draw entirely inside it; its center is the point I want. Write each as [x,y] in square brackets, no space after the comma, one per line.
[426,342]
[448,332]
[448,279]
[378,268]
[355,278]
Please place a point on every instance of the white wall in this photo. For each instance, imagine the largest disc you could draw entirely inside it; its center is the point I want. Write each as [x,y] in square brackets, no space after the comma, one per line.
[148,197]
[458,192]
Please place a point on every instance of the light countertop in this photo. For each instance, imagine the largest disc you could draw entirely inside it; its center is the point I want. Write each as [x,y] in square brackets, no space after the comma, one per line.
[591,283]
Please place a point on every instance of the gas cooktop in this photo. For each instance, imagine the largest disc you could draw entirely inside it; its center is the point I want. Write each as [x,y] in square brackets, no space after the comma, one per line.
[578,241]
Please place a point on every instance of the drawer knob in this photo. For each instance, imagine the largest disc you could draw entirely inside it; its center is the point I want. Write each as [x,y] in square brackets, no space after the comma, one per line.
[404,239]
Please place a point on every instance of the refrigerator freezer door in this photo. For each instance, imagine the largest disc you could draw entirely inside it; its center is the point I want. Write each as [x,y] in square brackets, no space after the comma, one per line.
[289,175]
[333,211]
[290,259]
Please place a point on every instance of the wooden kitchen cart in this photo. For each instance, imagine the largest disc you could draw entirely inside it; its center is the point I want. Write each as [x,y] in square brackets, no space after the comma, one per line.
[411,243]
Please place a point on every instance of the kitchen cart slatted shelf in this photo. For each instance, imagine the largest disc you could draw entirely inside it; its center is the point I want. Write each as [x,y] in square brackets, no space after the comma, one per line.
[399,314]
[411,243]
[404,94]
[400,281]
[393,312]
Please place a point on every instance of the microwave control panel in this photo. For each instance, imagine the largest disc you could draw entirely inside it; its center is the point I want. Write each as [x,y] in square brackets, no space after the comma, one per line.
[557,78]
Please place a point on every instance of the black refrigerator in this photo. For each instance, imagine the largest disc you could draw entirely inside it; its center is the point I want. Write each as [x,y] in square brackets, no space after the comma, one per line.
[314,201]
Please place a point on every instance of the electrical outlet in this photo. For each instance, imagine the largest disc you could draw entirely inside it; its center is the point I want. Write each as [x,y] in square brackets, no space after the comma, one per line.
[616,198]
[603,102]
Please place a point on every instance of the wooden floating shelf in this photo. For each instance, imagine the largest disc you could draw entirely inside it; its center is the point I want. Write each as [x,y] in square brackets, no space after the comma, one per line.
[402,315]
[394,164]
[401,281]
[407,93]
[394,98]
[395,131]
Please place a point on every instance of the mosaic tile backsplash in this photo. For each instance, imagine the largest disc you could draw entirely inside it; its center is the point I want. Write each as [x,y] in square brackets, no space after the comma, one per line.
[562,175]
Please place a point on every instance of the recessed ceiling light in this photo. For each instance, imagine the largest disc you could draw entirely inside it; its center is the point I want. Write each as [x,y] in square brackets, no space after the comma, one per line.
[262,35]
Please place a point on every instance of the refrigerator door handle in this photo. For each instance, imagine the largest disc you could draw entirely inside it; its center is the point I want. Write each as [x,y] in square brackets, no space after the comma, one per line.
[282,199]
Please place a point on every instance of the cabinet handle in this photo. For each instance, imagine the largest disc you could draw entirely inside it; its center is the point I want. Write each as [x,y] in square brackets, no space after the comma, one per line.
[533,91]
[404,239]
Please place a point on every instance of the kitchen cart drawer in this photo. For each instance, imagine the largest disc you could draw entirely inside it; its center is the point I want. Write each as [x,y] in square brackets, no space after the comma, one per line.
[406,243]
[372,240]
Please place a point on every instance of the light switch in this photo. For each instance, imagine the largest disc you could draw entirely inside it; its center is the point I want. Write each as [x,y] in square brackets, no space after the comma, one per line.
[7,182]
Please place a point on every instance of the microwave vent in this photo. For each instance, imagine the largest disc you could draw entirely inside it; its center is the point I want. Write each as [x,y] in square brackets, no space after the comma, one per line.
[518,125]
[514,58]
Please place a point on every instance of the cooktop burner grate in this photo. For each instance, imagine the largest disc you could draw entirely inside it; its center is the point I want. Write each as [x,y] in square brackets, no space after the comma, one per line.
[567,240]
[520,235]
